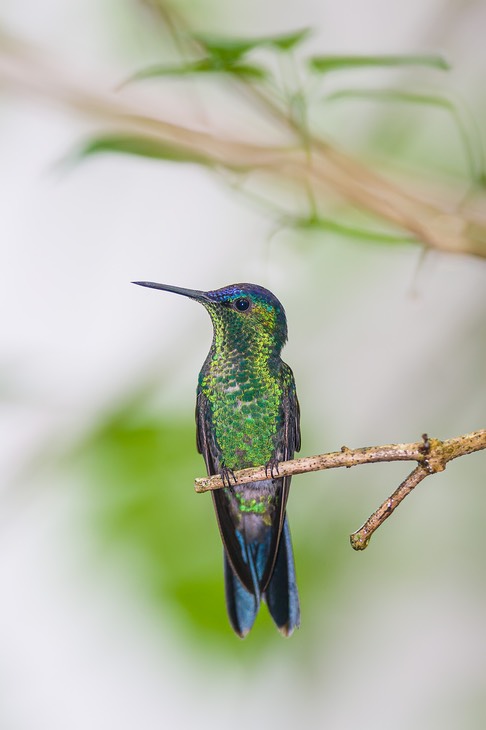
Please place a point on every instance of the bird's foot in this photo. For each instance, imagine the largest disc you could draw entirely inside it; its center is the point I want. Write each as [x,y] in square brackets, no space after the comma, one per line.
[227,475]
[271,468]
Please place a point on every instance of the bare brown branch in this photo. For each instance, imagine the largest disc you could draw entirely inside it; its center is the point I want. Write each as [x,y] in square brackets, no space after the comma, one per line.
[436,457]
[361,538]
[431,455]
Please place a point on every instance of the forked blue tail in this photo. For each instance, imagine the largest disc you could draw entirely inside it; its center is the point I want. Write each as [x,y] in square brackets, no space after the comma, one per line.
[281,593]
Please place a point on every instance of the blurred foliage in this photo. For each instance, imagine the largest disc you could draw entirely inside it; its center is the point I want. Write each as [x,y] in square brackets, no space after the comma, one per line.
[142,147]
[141,472]
[324,64]
[470,141]
[285,87]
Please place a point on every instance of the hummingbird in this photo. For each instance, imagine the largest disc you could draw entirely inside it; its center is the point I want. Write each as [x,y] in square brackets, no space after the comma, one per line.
[247,414]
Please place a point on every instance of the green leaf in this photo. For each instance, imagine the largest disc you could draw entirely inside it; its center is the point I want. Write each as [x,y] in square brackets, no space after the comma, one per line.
[142,147]
[323,64]
[288,41]
[230,50]
[224,56]
[247,70]
[205,66]
[393,96]
[162,70]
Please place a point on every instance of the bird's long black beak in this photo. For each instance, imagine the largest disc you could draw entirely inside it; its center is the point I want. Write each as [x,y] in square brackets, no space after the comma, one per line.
[191,293]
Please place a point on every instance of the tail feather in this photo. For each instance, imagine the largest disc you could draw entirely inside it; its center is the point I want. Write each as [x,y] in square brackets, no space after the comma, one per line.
[281,594]
[255,556]
[242,606]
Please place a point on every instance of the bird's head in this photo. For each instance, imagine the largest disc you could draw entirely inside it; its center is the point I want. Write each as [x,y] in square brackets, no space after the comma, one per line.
[243,315]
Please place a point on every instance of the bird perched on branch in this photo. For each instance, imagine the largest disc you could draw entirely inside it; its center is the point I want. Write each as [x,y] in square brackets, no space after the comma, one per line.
[247,414]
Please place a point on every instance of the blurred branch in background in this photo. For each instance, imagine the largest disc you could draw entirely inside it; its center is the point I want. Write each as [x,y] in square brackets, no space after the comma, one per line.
[316,171]
[432,456]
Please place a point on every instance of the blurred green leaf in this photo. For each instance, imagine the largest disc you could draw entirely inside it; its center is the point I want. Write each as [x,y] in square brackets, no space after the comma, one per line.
[391,95]
[140,471]
[324,64]
[142,147]
[288,41]
[230,50]
[247,70]
[226,51]
[205,66]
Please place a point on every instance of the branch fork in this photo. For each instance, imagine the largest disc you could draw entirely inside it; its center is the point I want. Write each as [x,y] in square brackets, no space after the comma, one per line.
[431,455]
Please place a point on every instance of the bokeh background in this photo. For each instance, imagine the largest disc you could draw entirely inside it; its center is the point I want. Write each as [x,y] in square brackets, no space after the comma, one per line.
[112,608]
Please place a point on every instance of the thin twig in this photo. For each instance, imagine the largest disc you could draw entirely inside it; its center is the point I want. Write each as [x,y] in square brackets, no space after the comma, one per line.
[431,455]
[361,538]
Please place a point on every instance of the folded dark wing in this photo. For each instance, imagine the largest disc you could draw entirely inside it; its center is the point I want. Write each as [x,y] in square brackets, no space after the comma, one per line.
[288,442]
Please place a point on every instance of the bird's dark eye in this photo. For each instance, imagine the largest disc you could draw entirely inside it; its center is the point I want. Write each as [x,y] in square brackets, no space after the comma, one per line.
[242,304]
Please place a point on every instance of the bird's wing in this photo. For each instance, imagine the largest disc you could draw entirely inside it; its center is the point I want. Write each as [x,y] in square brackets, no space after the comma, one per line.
[205,442]
[289,440]
[291,408]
